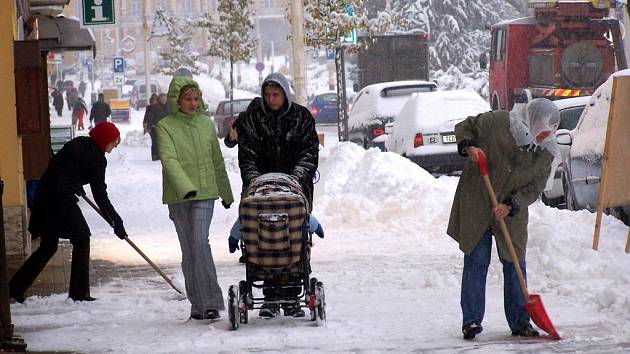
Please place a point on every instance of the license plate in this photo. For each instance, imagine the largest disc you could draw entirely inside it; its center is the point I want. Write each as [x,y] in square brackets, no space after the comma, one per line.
[449,139]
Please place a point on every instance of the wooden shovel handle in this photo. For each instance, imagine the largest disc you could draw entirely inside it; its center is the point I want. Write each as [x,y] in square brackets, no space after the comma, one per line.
[493,198]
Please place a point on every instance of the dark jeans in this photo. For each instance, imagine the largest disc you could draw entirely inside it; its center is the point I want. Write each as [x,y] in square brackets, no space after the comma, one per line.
[473,296]
[155,154]
[79,271]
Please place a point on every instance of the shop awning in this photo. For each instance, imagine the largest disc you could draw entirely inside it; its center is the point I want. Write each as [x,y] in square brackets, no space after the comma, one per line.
[63,33]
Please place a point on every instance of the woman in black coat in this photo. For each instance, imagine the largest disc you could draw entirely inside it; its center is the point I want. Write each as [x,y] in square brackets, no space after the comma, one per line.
[56,214]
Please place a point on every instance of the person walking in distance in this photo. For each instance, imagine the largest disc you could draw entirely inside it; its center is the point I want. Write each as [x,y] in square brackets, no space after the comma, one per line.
[100,110]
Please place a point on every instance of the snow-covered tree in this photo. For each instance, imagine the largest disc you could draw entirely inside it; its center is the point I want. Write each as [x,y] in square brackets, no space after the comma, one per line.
[178,33]
[458,29]
[328,21]
[231,38]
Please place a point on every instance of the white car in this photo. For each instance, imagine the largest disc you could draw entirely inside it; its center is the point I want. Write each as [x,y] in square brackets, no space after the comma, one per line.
[570,111]
[377,105]
[424,130]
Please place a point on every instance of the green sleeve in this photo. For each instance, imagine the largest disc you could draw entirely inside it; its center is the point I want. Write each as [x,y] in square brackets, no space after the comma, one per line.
[223,182]
[173,173]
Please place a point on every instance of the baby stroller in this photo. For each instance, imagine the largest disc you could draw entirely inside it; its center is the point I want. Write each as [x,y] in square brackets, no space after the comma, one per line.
[276,245]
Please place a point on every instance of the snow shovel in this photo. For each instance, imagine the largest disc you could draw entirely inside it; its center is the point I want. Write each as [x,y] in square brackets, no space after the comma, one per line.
[133,245]
[533,304]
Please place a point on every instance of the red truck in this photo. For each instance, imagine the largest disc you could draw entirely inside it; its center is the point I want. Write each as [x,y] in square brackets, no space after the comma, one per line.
[567,49]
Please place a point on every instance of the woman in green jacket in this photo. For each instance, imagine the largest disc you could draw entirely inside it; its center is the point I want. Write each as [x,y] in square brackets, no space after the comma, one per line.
[193,177]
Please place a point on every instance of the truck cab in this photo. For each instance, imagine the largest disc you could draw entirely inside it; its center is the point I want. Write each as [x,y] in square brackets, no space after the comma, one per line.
[562,51]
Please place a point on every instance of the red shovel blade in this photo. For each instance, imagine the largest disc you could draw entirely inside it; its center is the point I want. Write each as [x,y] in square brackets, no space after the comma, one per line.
[536,311]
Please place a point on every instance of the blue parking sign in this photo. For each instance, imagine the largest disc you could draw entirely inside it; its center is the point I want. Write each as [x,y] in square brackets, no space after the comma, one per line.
[330,54]
[119,65]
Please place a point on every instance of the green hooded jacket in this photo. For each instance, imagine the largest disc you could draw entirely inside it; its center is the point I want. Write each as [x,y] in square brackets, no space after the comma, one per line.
[190,153]
[516,173]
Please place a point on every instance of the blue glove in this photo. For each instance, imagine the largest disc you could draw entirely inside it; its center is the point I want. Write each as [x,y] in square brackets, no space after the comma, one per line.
[233,244]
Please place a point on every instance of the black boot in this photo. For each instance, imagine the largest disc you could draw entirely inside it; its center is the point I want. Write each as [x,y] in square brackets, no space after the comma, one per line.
[293,310]
[527,331]
[471,330]
[84,298]
[268,310]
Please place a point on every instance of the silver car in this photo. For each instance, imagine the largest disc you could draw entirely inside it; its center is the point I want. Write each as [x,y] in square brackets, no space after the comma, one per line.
[583,163]
[570,111]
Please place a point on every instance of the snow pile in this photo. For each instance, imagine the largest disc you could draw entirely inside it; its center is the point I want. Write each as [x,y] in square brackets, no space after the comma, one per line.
[590,137]
[136,138]
[371,189]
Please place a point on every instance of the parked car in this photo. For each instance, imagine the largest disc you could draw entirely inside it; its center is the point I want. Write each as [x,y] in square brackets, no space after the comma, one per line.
[377,105]
[570,111]
[583,164]
[223,119]
[139,96]
[323,107]
[424,130]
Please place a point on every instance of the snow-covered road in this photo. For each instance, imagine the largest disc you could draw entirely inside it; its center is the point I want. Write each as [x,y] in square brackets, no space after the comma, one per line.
[392,276]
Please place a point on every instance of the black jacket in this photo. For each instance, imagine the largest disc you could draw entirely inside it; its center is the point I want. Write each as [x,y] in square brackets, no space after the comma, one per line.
[285,143]
[153,114]
[55,210]
[99,112]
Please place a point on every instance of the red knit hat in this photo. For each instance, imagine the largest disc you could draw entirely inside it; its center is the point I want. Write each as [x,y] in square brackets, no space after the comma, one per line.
[104,133]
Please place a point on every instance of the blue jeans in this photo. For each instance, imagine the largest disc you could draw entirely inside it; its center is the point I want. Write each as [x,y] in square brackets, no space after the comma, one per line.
[473,296]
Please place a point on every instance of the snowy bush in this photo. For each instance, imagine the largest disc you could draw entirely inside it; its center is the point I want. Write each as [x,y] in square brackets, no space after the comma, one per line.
[137,138]
[455,79]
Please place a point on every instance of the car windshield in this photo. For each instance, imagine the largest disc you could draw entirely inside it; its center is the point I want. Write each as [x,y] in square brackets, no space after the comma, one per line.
[238,106]
[327,98]
[569,117]
[405,90]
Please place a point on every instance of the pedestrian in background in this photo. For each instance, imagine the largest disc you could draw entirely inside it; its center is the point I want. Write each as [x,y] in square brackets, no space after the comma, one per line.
[194,176]
[154,114]
[57,97]
[56,214]
[100,111]
[78,110]
[520,147]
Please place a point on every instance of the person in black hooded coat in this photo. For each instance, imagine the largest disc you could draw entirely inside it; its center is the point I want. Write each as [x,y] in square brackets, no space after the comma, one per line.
[278,139]
[56,214]
[277,135]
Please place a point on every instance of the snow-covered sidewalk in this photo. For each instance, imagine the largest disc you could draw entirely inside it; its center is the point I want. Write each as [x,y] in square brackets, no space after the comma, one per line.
[391,274]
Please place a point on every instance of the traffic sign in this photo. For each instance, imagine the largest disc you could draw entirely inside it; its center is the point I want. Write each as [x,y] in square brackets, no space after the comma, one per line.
[119,64]
[330,54]
[260,66]
[350,37]
[118,79]
[98,12]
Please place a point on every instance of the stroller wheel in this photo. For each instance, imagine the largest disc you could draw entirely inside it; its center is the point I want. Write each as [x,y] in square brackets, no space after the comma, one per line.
[233,307]
[312,300]
[321,302]
[244,298]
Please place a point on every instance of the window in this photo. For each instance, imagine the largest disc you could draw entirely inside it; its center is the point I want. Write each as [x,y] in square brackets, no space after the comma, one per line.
[161,3]
[268,3]
[569,117]
[136,8]
[497,49]
[185,6]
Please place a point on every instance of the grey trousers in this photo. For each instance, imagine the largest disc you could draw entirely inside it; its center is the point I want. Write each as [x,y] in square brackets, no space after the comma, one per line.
[192,223]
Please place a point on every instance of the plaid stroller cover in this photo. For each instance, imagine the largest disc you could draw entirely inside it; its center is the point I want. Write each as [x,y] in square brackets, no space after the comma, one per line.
[273,212]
